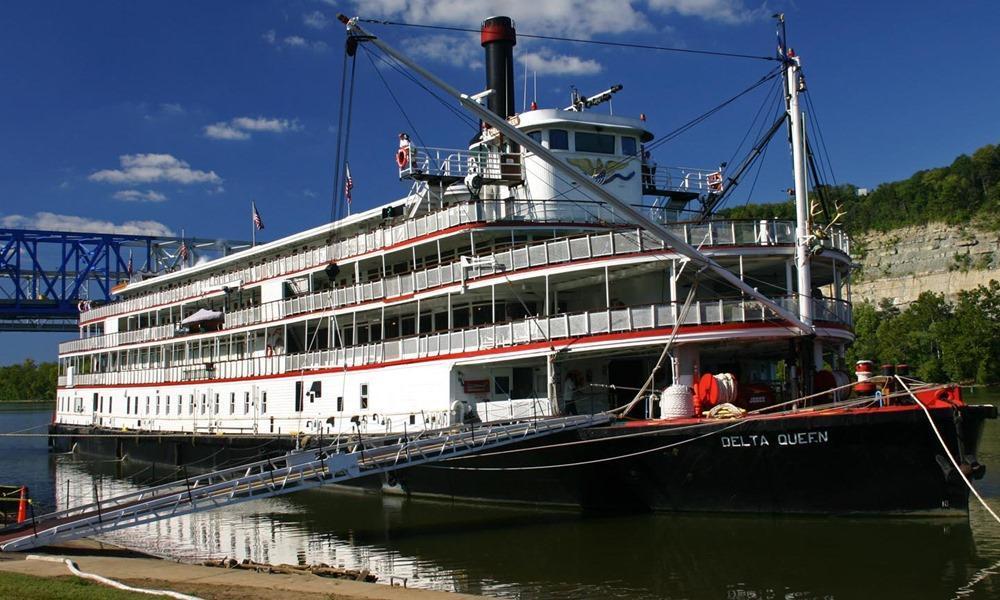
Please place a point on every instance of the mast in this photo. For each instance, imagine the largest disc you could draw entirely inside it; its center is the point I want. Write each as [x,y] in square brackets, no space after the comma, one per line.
[559,164]
[796,123]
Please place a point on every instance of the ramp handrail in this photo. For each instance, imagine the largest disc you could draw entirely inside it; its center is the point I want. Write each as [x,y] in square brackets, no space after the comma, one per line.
[294,471]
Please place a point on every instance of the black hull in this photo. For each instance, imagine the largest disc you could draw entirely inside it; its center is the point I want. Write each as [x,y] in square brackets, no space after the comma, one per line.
[851,462]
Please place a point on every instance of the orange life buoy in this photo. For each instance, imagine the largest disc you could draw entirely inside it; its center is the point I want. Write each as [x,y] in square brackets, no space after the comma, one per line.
[403,157]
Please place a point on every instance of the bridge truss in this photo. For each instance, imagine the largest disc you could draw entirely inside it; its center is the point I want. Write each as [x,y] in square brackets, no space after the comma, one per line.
[44,275]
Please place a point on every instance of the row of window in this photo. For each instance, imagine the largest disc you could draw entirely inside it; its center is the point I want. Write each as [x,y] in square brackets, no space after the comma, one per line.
[205,407]
[585,141]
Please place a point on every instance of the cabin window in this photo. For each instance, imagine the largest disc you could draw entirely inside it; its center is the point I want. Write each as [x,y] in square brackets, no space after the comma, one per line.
[501,385]
[232,403]
[340,404]
[598,143]
[263,402]
[128,405]
[204,403]
[147,405]
[157,405]
[629,146]
[364,395]
[191,404]
[298,396]
[246,403]
[558,139]
[216,411]
[535,135]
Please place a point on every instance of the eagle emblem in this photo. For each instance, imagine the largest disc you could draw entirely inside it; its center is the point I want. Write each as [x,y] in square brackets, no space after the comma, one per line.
[601,172]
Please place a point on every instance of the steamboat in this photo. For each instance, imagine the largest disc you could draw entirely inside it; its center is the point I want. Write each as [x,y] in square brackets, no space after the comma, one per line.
[548,268]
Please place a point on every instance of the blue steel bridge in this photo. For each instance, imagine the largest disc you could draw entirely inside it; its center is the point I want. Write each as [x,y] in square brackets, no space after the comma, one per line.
[45,275]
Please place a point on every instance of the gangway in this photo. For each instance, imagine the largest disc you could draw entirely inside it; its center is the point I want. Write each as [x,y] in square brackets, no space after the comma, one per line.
[292,472]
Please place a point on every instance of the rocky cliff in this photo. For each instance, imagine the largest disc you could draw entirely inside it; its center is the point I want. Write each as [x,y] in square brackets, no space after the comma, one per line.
[902,263]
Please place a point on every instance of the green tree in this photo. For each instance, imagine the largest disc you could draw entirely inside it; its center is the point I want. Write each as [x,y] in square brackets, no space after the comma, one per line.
[28,381]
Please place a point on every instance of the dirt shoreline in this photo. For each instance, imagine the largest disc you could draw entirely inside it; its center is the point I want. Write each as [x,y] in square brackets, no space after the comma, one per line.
[141,570]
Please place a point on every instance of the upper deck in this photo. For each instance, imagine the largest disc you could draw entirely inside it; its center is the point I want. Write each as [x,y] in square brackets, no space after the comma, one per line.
[317,248]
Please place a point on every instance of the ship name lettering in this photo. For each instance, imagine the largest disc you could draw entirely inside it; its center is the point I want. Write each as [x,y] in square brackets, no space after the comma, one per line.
[803,438]
[744,441]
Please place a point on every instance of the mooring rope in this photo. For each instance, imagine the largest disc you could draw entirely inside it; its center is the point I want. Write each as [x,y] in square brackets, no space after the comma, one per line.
[947,451]
[110,582]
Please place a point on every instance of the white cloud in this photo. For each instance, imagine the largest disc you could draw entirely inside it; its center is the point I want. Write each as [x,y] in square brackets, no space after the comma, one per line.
[137,196]
[722,11]
[465,51]
[225,131]
[150,168]
[57,222]
[293,41]
[581,18]
[546,62]
[455,50]
[316,20]
[172,108]
[240,128]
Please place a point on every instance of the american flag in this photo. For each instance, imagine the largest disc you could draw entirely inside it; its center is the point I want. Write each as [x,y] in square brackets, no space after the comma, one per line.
[183,251]
[348,183]
[257,221]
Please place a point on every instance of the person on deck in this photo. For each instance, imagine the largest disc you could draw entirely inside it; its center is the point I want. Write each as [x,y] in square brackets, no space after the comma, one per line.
[570,392]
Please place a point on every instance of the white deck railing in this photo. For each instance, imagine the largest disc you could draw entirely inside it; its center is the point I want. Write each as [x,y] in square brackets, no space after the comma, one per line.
[725,233]
[456,163]
[485,337]
[458,214]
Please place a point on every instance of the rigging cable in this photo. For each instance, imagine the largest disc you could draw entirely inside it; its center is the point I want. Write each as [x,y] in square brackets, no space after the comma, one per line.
[697,120]
[393,63]
[338,166]
[581,41]
[768,100]
[822,139]
[413,128]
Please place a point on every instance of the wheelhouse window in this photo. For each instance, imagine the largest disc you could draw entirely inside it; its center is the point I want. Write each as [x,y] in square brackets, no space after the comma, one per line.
[535,135]
[558,139]
[598,143]
[629,146]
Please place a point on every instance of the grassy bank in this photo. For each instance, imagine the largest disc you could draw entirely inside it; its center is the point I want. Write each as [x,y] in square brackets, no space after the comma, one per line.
[29,587]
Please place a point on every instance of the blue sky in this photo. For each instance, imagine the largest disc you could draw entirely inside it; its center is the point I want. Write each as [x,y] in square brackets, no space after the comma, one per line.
[167,116]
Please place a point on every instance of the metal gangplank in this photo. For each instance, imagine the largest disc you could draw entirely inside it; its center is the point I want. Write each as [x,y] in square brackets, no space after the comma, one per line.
[292,472]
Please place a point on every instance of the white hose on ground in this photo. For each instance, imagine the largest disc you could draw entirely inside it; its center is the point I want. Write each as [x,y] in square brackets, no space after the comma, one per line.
[110,582]
[954,463]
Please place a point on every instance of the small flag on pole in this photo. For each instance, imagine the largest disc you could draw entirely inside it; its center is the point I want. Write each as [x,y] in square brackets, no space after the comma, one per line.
[183,252]
[128,267]
[258,222]
[348,183]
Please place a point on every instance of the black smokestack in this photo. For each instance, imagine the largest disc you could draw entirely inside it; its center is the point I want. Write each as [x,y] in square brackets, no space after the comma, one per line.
[498,37]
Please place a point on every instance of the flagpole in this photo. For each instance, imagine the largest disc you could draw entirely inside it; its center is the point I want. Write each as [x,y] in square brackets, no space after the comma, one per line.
[253,226]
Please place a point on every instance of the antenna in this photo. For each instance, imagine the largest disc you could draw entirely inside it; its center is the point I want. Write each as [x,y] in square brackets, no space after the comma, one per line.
[534,97]
[524,98]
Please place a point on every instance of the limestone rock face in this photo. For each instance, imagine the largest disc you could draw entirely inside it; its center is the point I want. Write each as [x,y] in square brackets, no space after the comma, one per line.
[939,258]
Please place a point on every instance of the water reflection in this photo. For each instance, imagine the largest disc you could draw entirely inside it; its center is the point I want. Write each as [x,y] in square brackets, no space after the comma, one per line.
[527,554]
[520,553]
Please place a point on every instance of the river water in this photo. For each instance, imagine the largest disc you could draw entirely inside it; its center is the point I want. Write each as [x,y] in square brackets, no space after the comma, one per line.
[527,553]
